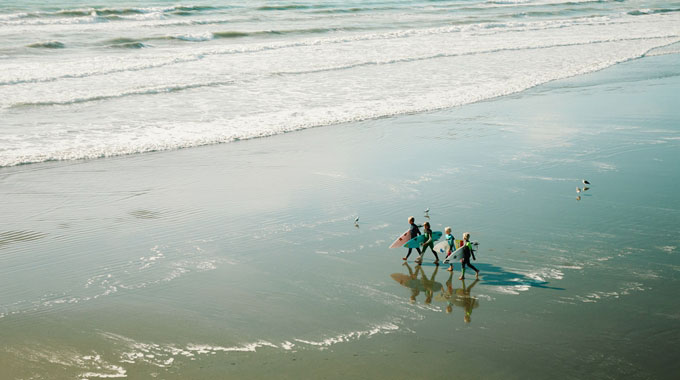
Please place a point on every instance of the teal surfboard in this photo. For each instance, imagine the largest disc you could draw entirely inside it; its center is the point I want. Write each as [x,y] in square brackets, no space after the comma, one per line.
[417,241]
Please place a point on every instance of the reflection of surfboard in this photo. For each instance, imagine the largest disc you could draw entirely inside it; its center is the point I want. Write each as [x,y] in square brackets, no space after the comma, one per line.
[417,241]
[401,240]
[407,281]
[455,255]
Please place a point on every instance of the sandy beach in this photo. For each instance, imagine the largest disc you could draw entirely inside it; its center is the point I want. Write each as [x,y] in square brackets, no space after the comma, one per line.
[242,260]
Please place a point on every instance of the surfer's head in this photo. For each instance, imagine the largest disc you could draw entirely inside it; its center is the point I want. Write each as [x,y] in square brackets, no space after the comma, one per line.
[411,220]
[426,225]
[447,230]
[466,236]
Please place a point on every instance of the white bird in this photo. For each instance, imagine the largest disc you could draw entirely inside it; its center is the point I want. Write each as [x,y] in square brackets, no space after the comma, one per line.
[578,189]
[427,210]
[356,221]
[585,182]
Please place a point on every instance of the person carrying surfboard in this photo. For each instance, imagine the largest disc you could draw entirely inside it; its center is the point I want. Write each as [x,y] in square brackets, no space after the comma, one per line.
[467,252]
[415,231]
[429,242]
[452,245]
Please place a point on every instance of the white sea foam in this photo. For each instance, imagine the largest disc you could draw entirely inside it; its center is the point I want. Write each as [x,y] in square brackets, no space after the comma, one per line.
[668,248]
[577,267]
[165,355]
[209,349]
[600,295]
[545,274]
[354,335]
[512,289]
[196,90]
[87,366]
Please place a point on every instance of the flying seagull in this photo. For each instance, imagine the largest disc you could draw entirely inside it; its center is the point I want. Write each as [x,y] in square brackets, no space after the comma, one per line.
[356,220]
[427,210]
[585,182]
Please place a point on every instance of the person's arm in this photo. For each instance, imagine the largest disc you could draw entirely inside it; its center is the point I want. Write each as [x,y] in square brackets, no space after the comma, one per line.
[472,252]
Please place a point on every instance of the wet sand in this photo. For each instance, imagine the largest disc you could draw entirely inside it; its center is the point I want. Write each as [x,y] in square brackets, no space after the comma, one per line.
[242,260]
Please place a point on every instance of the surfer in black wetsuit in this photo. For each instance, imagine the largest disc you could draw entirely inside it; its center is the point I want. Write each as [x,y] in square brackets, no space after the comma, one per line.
[415,231]
[467,252]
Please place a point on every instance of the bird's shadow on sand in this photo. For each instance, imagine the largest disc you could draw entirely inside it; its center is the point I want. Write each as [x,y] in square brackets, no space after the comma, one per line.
[493,275]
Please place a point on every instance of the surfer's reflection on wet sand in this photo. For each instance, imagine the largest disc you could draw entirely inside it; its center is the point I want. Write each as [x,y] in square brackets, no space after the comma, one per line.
[427,285]
[460,297]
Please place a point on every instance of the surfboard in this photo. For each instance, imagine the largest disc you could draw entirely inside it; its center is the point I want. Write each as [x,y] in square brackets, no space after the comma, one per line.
[417,241]
[455,255]
[401,240]
[443,247]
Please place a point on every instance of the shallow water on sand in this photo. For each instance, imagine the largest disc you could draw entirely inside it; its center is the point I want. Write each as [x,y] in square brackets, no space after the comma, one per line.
[243,260]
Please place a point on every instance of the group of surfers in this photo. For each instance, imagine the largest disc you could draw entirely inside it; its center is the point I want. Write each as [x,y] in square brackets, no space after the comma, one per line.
[429,243]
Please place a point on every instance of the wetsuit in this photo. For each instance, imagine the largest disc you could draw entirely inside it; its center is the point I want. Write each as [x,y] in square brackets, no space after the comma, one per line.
[452,243]
[467,252]
[415,231]
[429,242]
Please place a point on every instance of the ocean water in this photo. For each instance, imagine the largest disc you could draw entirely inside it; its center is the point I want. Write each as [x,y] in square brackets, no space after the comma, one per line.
[87,79]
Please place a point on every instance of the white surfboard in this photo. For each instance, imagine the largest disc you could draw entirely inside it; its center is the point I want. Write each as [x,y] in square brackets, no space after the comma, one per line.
[402,239]
[442,248]
[455,255]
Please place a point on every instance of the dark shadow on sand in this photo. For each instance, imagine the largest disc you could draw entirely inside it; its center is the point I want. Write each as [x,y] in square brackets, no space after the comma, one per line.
[496,276]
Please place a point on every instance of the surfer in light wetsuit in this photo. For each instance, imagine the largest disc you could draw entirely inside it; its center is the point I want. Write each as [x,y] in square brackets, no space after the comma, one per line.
[452,245]
[415,231]
[467,252]
[429,242]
